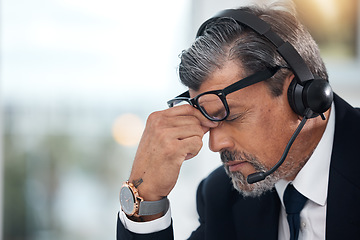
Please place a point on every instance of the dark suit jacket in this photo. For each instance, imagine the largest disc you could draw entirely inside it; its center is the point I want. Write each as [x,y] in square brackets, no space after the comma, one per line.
[225,214]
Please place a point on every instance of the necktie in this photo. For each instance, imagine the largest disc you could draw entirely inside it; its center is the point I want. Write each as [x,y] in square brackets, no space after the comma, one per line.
[294,203]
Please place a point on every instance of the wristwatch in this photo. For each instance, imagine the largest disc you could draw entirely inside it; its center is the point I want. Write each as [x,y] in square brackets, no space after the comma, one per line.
[134,205]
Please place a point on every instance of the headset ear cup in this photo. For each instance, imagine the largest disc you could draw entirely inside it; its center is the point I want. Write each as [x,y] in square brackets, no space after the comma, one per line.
[318,95]
[294,95]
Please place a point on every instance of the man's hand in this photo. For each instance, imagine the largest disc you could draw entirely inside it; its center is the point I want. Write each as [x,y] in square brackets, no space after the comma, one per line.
[170,137]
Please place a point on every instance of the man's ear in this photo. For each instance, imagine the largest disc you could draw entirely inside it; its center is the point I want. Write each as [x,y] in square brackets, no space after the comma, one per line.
[287,82]
[290,77]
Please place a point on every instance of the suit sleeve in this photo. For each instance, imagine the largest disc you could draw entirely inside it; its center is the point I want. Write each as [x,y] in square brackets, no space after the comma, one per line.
[124,234]
[199,233]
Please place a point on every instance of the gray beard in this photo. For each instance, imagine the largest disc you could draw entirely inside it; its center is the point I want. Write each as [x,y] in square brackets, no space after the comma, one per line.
[239,180]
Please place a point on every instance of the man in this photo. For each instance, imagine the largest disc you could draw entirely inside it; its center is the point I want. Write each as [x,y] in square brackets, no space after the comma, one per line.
[243,90]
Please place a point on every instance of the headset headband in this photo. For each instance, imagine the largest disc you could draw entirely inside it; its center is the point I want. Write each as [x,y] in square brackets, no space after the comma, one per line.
[285,49]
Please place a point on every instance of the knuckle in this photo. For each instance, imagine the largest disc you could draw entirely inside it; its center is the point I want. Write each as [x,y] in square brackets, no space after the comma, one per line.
[153,116]
[187,109]
[155,119]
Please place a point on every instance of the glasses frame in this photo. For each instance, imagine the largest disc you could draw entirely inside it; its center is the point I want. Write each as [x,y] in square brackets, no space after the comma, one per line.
[243,83]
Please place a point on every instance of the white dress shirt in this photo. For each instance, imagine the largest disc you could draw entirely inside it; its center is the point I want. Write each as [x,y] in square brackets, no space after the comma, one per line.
[311,181]
[146,227]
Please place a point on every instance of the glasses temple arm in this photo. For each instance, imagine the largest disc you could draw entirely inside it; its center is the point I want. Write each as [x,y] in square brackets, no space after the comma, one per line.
[252,79]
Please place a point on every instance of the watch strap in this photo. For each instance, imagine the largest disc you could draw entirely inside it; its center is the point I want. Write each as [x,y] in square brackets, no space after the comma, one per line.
[153,207]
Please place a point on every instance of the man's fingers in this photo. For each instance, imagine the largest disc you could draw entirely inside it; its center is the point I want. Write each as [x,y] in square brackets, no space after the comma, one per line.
[170,137]
[193,146]
[187,110]
[188,131]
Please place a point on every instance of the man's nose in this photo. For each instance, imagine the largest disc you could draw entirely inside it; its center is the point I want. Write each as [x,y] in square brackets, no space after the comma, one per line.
[220,138]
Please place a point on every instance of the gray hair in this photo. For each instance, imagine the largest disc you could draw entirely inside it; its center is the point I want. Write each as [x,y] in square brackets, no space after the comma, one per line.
[224,39]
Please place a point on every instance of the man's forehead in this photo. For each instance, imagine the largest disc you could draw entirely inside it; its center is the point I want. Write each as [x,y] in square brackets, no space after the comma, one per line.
[220,78]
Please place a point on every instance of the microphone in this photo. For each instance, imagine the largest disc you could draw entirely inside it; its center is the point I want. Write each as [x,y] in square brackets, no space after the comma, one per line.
[259,176]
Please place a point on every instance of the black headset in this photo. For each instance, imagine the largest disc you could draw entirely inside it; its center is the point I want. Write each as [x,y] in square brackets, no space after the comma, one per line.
[305,92]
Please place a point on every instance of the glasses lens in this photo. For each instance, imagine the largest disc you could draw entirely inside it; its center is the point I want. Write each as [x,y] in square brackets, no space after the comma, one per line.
[212,106]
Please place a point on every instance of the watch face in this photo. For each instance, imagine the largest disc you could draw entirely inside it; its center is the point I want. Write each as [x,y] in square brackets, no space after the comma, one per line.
[127,200]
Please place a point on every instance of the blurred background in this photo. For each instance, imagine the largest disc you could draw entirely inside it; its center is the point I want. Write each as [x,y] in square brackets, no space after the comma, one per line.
[78,80]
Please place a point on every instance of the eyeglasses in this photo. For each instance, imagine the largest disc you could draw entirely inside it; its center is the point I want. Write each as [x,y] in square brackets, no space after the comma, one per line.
[213,104]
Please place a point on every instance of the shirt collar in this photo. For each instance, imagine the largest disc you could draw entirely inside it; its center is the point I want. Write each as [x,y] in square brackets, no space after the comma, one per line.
[312,180]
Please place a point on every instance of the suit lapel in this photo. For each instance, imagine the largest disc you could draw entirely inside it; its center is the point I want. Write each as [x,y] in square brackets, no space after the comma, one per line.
[342,220]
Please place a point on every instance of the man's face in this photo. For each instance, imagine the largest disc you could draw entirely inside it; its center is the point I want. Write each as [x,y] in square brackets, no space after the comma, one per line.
[256,132]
